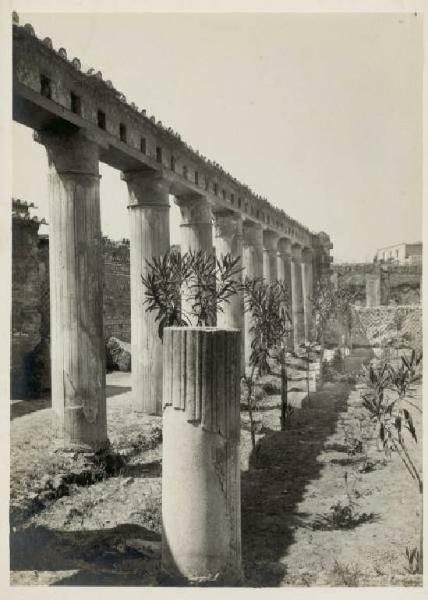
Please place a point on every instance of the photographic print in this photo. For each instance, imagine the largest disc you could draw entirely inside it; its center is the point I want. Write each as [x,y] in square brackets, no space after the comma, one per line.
[216,301]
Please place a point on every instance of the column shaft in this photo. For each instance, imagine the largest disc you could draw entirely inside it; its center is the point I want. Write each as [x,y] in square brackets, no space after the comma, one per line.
[284,274]
[196,235]
[228,240]
[297,298]
[252,261]
[76,291]
[270,256]
[201,500]
[307,286]
[149,238]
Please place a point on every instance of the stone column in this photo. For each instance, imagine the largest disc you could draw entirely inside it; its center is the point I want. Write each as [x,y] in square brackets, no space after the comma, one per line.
[196,232]
[149,237]
[307,287]
[196,223]
[270,255]
[228,240]
[201,504]
[76,291]
[284,273]
[297,295]
[252,260]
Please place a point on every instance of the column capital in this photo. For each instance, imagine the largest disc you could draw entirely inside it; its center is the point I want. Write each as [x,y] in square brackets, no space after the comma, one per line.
[227,224]
[252,234]
[296,252]
[70,153]
[284,246]
[194,209]
[270,240]
[307,255]
[146,188]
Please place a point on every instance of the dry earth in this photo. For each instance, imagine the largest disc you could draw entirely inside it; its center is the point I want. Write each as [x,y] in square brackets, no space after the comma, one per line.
[73,523]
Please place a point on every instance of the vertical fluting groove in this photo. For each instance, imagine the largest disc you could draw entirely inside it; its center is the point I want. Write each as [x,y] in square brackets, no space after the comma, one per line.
[199,359]
[200,377]
[190,377]
[78,380]
[184,378]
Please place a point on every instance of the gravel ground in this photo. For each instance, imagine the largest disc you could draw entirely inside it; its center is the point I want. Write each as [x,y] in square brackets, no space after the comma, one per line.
[108,532]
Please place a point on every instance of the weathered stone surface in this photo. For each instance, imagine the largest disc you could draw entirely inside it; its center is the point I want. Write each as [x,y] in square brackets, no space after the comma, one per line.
[118,355]
[201,430]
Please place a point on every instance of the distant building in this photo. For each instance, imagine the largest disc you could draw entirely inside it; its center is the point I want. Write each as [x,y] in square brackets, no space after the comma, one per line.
[400,254]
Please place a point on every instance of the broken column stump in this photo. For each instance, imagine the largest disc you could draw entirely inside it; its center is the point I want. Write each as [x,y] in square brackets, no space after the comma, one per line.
[201,499]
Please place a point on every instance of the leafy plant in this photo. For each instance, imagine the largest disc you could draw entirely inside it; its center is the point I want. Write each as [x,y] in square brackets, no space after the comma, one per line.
[212,282]
[267,304]
[323,307]
[207,282]
[391,417]
[414,561]
[163,282]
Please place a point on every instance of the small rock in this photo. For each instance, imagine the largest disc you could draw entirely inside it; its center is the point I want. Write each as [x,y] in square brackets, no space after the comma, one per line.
[127,481]
[149,548]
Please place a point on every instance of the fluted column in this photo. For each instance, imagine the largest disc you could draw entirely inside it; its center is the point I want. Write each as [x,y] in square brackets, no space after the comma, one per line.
[76,291]
[196,223]
[297,295]
[307,287]
[284,274]
[201,499]
[252,260]
[196,233]
[149,237]
[228,240]
[270,255]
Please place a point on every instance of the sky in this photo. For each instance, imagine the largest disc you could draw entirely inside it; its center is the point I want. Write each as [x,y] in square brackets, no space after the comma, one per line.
[319,113]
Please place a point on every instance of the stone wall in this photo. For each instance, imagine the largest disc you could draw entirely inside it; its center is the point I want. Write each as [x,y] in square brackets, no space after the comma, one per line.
[373,326]
[26,298]
[385,284]
[117,296]
[30,332]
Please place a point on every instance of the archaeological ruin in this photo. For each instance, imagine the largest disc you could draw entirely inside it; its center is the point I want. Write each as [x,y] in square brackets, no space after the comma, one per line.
[81,119]
[216,412]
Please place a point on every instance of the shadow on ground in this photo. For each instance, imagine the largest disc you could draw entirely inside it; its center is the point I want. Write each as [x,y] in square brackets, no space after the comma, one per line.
[280,469]
[116,390]
[20,408]
[104,557]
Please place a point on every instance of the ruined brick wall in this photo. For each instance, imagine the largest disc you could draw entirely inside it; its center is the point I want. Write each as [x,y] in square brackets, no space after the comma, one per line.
[30,332]
[117,294]
[374,326]
[26,314]
[399,284]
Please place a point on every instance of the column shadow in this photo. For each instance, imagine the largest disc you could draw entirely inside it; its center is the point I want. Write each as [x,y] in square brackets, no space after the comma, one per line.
[283,464]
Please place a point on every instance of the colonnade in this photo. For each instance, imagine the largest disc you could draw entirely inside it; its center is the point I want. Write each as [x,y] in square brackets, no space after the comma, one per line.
[77,341]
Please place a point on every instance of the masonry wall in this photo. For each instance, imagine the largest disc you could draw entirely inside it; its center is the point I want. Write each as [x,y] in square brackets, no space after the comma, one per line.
[30,331]
[26,306]
[398,284]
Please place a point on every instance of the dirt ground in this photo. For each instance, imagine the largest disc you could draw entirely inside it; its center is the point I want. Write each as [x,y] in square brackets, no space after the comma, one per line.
[71,528]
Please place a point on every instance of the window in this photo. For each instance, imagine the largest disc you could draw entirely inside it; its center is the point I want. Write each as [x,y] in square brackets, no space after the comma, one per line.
[239,202]
[185,171]
[101,118]
[232,198]
[158,154]
[215,189]
[224,194]
[45,86]
[143,145]
[76,105]
[172,162]
[122,132]
[196,177]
